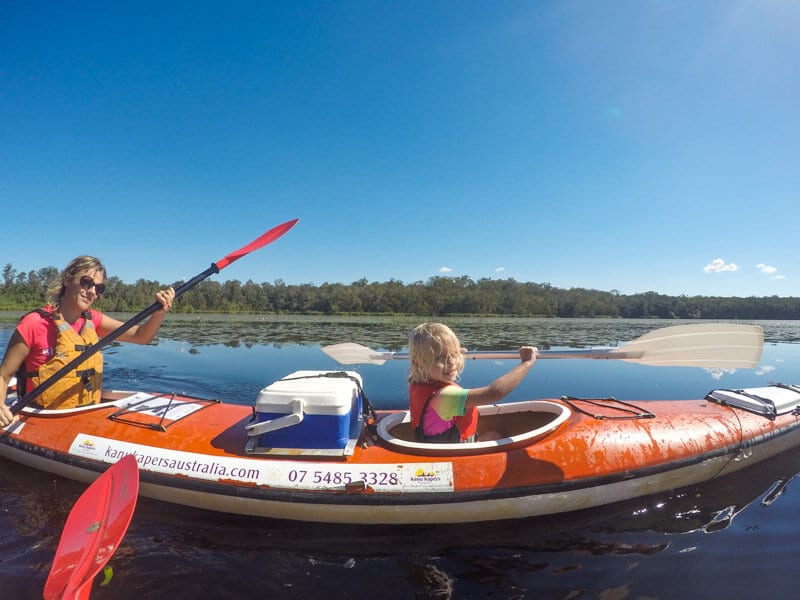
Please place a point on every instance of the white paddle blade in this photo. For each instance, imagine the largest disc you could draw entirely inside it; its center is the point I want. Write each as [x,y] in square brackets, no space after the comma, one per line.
[707,345]
[350,353]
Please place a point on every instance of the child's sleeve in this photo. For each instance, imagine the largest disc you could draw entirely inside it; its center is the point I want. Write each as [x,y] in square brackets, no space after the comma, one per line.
[450,401]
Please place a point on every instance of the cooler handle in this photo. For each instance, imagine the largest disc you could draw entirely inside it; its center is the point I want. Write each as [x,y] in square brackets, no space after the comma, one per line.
[293,418]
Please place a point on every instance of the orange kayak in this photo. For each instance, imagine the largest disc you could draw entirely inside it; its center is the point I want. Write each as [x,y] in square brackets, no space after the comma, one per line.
[310,450]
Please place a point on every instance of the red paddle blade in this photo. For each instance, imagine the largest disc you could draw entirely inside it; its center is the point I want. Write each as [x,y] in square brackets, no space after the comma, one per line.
[267,238]
[94,528]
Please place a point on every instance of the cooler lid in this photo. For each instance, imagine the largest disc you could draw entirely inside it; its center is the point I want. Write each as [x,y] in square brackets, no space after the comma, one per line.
[322,392]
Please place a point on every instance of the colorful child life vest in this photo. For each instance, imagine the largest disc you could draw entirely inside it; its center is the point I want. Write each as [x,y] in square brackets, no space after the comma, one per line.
[80,387]
[463,428]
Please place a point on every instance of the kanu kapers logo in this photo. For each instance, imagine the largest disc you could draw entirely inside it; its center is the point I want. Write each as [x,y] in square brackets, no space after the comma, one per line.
[425,475]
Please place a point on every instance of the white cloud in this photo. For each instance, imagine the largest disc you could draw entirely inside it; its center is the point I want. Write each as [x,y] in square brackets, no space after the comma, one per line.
[500,270]
[718,266]
[445,270]
[769,270]
[718,374]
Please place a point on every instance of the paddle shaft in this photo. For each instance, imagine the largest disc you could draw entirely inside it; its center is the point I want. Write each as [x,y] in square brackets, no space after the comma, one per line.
[598,352]
[216,267]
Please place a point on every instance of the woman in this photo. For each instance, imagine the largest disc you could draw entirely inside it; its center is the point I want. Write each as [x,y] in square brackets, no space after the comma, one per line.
[47,339]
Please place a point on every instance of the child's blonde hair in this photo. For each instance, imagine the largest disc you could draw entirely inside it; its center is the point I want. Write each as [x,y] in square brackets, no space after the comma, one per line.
[428,342]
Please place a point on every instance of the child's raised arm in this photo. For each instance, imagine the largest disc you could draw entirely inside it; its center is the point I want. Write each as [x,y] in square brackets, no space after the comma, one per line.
[505,384]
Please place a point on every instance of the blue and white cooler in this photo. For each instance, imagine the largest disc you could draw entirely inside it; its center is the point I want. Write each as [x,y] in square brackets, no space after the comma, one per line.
[308,412]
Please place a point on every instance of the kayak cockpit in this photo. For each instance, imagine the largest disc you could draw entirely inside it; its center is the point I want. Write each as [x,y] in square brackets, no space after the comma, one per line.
[500,427]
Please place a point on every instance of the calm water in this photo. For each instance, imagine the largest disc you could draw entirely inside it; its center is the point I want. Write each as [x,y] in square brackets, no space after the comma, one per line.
[734,538]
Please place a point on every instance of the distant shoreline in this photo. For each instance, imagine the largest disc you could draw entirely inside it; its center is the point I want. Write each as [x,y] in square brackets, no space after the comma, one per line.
[436,298]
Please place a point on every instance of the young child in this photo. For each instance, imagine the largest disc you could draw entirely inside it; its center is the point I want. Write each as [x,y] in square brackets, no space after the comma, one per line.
[441,410]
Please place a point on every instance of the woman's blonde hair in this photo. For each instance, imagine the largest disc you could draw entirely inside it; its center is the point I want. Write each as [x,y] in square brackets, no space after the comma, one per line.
[55,293]
[428,342]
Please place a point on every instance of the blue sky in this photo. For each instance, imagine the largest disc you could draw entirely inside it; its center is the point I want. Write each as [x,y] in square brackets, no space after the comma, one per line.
[629,145]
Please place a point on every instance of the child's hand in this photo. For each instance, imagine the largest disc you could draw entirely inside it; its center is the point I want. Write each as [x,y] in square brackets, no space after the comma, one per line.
[527,354]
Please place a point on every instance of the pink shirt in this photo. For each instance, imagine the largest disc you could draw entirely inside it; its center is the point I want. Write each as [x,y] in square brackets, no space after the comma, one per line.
[40,335]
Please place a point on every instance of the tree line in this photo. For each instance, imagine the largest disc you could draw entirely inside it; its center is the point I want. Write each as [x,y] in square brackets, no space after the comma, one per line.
[438,296]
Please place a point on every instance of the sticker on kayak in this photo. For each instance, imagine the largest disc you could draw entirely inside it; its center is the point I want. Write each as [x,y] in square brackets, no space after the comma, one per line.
[298,475]
[160,406]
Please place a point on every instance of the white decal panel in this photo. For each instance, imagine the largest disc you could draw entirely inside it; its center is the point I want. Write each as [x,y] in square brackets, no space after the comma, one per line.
[293,475]
[159,406]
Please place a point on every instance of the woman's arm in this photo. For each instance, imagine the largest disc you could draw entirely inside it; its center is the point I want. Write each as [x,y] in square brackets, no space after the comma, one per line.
[16,353]
[140,334]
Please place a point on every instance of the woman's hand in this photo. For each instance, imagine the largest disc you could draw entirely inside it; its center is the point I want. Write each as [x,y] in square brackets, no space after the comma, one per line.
[6,418]
[166,298]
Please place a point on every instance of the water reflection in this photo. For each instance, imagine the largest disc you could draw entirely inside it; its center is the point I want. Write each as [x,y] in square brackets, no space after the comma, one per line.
[189,552]
[233,357]
[686,543]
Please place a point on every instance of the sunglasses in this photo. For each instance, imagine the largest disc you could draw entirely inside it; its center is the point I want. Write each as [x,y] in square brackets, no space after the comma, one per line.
[88,283]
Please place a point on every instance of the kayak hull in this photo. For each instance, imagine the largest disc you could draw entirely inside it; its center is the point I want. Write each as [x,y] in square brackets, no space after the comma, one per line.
[194,453]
